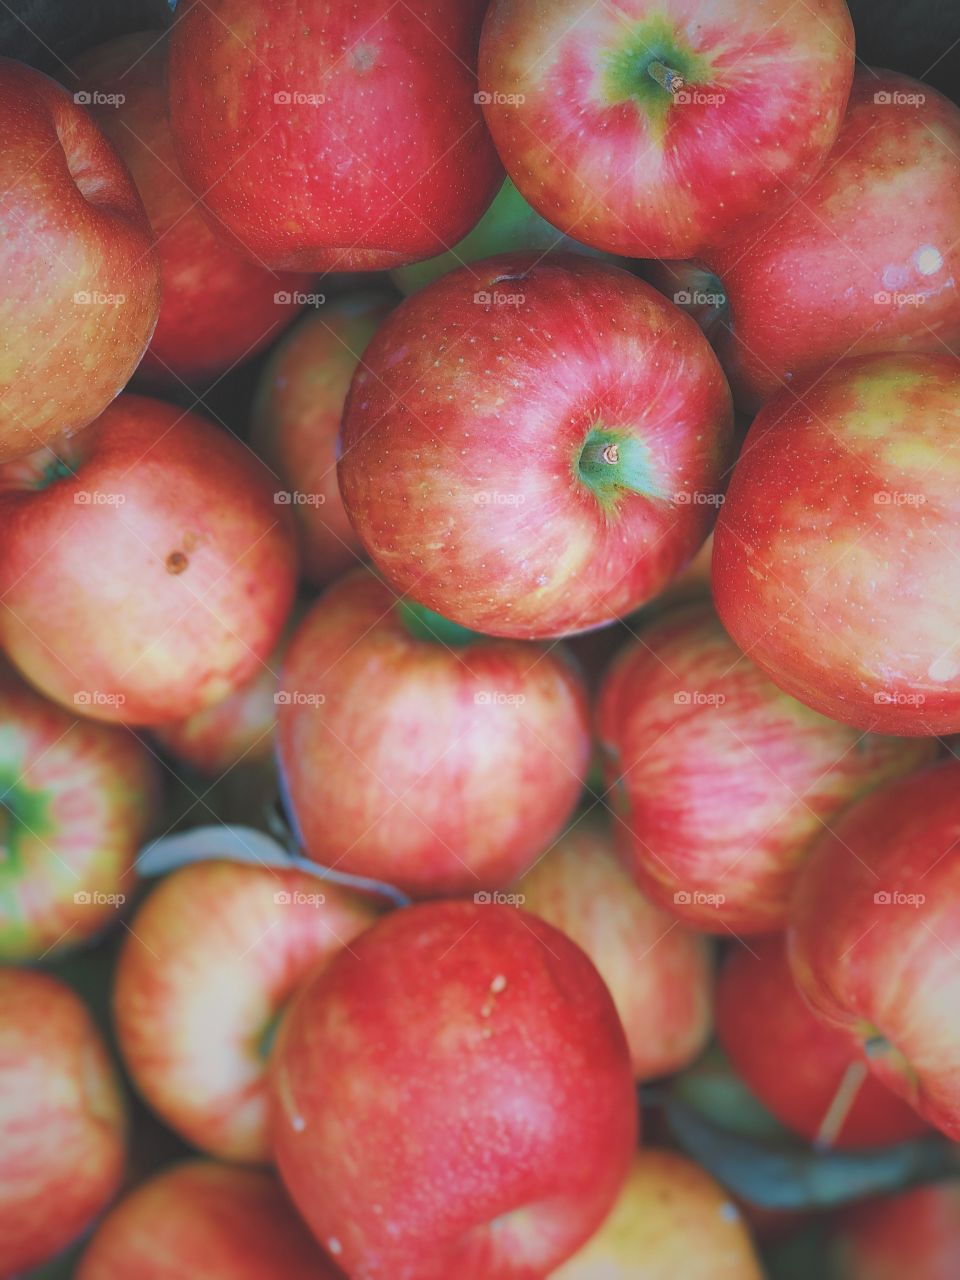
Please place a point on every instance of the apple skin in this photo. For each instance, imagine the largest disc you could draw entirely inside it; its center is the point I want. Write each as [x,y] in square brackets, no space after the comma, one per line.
[218,308]
[79,799]
[454,770]
[295,422]
[337,185]
[834,557]
[659,973]
[886,971]
[879,220]
[147,570]
[62,1120]
[722,782]
[793,1062]
[605,153]
[671,1220]
[201,1218]
[912,1233]
[75,228]
[474,429]
[486,1044]
[213,955]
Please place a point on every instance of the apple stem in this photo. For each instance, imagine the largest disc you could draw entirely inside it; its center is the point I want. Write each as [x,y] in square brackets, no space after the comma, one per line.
[611,464]
[839,1108]
[665,76]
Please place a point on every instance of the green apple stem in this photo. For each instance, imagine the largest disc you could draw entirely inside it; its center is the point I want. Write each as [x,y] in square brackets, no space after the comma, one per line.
[839,1108]
[427,625]
[665,76]
[611,463]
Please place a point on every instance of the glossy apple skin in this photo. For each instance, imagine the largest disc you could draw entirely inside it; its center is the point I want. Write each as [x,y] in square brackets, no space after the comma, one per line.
[887,971]
[834,558]
[914,1233]
[793,1062]
[79,799]
[203,1218]
[337,185]
[295,423]
[721,781]
[62,1120]
[879,219]
[213,956]
[658,972]
[74,226]
[671,1219]
[455,768]
[166,588]
[218,308]
[607,155]
[486,1044]
[465,431]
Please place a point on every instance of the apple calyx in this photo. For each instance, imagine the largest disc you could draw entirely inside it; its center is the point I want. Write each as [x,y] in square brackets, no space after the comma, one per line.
[611,464]
[424,624]
[22,811]
[650,66]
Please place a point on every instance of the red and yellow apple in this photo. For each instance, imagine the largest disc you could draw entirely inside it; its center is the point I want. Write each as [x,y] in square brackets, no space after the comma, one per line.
[721,781]
[485,1044]
[81,280]
[147,571]
[213,956]
[835,554]
[535,446]
[658,972]
[333,137]
[62,1120]
[910,1233]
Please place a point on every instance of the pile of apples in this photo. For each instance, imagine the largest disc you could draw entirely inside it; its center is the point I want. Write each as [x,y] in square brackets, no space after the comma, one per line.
[403,789]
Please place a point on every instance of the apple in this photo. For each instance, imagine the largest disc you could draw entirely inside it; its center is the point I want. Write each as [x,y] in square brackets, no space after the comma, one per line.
[201,1218]
[147,571]
[834,559]
[212,957]
[872,937]
[333,138]
[295,422]
[485,1044]
[911,1233]
[412,752]
[671,1220]
[508,225]
[657,131]
[534,446]
[62,1120]
[77,800]
[658,972]
[721,781]
[865,260]
[797,1066]
[218,307]
[81,280]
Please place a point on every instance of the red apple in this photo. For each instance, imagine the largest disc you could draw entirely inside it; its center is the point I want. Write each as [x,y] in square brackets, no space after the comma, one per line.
[296,421]
[333,137]
[657,131]
[873,937]
[81,282]
[212,958]
[439,761]
[62,1120]
[147,571]
[794,1063]
[483,1042]
[204,1219]
[912,1233]
[722,782]
[78,799]
[534,447]
[658,972]
[671,1220]
[834,561]
[867,259]
[218,307]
